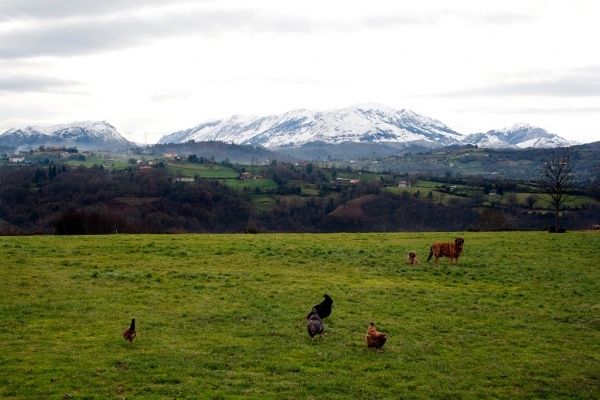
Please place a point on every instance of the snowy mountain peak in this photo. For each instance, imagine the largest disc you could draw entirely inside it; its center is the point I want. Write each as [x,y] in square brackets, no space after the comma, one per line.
[520,135]
[518,126]
[373,107]
[83,134]
[362,123]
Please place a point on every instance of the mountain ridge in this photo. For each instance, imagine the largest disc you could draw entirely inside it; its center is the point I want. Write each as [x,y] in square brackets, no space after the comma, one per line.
[517,136]
[83,134]
[361,123]
[372,125]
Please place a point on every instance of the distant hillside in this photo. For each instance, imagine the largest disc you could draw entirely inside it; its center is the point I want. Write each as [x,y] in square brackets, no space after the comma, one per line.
[589,146]
[220,151]
[7,150]
[465,161]
[346,150]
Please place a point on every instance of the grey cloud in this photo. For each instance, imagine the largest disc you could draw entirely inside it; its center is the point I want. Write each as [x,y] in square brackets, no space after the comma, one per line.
[59,9]
[434,17]
[88,36]
[37,83]
[554,111]
[580,82]
[537,110]
[67,28]
[396,20]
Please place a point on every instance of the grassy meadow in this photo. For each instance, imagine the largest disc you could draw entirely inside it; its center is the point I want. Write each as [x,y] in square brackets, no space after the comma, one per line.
[203,170]
[222,316]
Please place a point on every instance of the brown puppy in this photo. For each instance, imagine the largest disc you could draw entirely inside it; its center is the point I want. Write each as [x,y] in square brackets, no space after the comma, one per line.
[452,250]
[412,259]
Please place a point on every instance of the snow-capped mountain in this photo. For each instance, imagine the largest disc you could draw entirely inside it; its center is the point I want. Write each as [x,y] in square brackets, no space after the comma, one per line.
[83,135]
[367,123]
[518,136]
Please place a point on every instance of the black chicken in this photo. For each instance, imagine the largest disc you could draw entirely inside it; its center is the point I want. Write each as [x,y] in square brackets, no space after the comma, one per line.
[315,325]
[323,308]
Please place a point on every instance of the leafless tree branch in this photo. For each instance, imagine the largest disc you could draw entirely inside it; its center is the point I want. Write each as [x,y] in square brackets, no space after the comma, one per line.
[557,178]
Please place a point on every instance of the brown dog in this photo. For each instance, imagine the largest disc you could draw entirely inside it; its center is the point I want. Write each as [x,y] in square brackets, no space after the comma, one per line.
[412,259]
[452,250]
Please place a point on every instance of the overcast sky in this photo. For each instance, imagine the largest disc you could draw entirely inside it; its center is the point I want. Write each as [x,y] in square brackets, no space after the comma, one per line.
[152,67]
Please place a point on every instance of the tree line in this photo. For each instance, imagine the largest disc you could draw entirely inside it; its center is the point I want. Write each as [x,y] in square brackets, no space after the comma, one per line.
[61,199]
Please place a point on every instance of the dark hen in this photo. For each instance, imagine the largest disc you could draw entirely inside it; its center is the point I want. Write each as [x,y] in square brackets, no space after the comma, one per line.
[129,333]
[374,338]
[323,308]
[315,325]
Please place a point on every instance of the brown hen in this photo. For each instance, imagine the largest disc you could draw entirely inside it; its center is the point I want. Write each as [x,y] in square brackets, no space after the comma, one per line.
[374,338]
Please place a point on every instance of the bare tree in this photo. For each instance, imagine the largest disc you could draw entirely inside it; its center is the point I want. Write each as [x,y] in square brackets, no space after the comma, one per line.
[558,178]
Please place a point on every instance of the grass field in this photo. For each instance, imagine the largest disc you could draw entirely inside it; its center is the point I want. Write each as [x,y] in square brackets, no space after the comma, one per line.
[263,184]
[203,170]
[222,316]
[263,202]
[113,163]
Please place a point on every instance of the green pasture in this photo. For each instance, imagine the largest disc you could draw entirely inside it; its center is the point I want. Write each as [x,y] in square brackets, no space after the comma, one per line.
[307,187]
[426,184]
[252,184]
[263,202]
[113,163]
[203,170]
[438,197]
[222,316]
[583,200]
